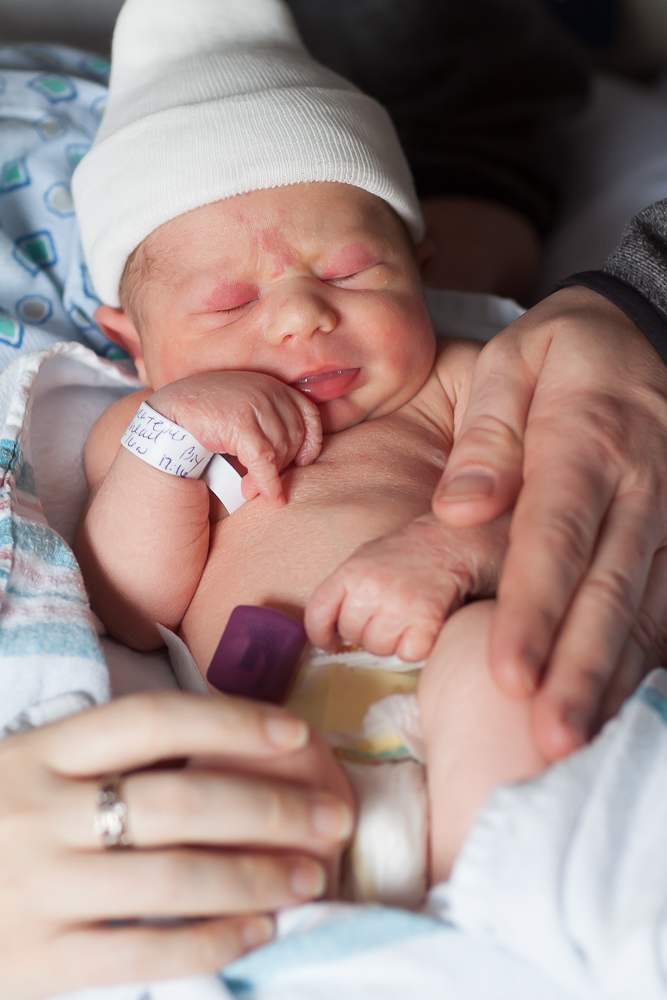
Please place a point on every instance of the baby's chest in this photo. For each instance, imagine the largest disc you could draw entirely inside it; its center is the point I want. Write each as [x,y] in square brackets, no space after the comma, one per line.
[386,456]
[359,489]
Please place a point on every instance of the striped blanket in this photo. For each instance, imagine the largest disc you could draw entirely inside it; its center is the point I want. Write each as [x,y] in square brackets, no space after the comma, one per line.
[48,639]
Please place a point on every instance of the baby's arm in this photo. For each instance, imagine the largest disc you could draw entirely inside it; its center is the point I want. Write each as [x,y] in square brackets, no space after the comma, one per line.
[143,540]
[394,593]
[476,737]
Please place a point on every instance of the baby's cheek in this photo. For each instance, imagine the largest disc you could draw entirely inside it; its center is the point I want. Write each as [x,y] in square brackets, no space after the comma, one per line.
[408,353]
[169,357]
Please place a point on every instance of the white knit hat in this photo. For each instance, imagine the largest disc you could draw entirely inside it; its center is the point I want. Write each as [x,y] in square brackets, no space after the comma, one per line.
[212,98]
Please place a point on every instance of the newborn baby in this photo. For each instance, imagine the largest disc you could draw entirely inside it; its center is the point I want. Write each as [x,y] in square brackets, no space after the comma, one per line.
[260,264]
[317,316]
[258,323]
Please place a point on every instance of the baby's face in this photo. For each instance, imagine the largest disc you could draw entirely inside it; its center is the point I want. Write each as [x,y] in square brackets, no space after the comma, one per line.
[315,284]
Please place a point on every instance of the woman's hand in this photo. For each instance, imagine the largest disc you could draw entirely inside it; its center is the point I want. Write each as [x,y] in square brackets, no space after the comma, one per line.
[568,412]
[218,846]
[393,594]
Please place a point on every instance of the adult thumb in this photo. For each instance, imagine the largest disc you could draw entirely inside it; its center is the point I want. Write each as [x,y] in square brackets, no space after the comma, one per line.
[483,475]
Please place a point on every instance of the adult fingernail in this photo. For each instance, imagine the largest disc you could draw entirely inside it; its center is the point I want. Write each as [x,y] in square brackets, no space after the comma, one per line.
[285,732]
[332,819]
[467,486]
[257,931]
[308,879]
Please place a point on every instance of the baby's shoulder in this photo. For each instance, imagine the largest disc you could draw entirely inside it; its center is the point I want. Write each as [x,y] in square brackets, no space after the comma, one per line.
[104,439]
[450,376]
[454,364]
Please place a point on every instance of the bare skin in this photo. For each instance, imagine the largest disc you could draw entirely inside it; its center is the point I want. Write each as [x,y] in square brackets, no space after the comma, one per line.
[477,737]
[369,481]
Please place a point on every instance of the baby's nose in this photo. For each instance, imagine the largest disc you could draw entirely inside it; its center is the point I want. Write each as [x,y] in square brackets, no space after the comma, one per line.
[299,311]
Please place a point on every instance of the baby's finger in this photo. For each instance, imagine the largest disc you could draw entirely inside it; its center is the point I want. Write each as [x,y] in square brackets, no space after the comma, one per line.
[322,612]
[312,426]
[248,488]
[355,614]
[417,640]
[259,458]
[380,632]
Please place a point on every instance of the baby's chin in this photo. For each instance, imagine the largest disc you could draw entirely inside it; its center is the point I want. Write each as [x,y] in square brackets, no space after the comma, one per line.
[339,415]
[348,411]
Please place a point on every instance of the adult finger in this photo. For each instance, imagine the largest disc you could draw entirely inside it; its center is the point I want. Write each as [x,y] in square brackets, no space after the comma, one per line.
[140,730]
[592,638]
[77,957]
[552,539]
[175,883]
[190,806]
[646,645]
[483,474]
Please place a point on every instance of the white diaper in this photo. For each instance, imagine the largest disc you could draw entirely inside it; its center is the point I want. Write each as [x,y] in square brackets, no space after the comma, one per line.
[365,707]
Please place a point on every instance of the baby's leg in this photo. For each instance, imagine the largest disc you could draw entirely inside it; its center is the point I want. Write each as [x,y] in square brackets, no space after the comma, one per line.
[476,737]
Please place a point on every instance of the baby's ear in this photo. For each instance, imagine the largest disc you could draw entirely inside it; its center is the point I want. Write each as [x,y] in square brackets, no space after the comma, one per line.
[117,326]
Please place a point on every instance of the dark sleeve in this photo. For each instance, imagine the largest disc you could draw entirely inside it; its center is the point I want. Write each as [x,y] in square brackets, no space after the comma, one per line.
[635,276]
[477,89]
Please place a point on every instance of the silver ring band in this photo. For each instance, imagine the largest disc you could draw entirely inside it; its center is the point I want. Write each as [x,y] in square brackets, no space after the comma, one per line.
[110,820]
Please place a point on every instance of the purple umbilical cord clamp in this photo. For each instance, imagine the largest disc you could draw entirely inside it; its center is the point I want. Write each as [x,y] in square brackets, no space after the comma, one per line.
[258,655]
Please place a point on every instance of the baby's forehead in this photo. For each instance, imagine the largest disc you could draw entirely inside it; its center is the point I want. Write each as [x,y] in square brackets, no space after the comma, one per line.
[276,217]
[337,225]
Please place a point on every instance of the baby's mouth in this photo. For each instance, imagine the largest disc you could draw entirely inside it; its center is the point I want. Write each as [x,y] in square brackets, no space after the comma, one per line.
[324,386]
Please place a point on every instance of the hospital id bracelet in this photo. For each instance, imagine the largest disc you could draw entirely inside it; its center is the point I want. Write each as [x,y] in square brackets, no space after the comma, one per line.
[161,443]
[166,446]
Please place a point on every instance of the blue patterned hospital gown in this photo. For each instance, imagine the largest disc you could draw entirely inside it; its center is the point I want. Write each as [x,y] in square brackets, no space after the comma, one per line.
[51,102]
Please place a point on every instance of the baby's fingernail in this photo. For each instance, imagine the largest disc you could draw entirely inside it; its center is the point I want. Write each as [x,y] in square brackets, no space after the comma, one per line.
[257,931]
[308,879]
[332,819]
[286,732]
[466,486]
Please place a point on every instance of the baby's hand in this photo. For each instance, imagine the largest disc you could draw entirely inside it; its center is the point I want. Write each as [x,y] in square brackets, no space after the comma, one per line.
[263,422]
[393,594]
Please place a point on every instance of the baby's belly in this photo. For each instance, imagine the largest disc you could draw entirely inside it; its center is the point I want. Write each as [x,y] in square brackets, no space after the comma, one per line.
[276,558]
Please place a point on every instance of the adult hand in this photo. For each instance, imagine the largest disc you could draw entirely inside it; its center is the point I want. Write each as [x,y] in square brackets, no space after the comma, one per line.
[568,412]
[215,846]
